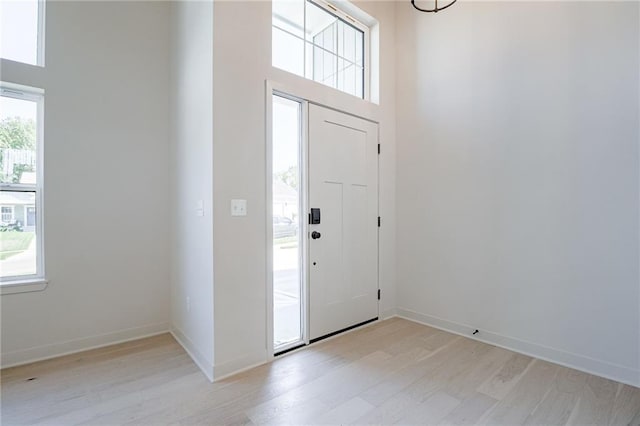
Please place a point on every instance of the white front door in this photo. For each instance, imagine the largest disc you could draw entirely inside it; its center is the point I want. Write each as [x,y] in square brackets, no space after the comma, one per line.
[343,247]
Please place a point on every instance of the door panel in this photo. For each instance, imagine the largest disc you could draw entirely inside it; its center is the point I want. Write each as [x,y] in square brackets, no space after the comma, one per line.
[343,183]
[329,246]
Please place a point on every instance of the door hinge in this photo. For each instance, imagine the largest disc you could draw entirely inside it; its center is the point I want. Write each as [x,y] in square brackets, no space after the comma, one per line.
[378,221]
[378,148]
[378,294]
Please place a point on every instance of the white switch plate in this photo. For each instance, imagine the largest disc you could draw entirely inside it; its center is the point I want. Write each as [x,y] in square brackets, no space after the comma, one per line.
[200,208]
[238,207]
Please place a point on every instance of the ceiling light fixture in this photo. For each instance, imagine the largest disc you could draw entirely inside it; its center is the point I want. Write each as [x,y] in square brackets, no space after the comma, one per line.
[435,9]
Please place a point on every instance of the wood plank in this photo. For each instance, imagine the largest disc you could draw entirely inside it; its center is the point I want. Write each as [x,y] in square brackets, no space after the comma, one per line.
[559,403]
[345,413]
[626,407]
[431,410]
[481,368]
[410,373]
[499,385]
[596,401]
[515,407]
[470,410]
[266,412]
[460,360]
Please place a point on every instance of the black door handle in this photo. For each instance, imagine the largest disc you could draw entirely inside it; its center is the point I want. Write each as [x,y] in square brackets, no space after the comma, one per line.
[315,235]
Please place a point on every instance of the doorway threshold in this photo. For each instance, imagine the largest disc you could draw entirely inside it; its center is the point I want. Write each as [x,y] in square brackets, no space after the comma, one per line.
[326,336]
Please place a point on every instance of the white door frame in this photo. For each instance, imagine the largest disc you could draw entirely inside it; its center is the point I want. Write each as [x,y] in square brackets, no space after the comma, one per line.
[305,97]
[304,108]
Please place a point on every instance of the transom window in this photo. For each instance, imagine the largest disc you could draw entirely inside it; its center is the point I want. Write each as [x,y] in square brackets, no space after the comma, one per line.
[22,31]
[318,41]
[20,184]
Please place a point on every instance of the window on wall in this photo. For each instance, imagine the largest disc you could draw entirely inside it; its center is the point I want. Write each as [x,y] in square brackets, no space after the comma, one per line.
[7,213]
[318,41]
[22,31]
[287,224]
[20,184]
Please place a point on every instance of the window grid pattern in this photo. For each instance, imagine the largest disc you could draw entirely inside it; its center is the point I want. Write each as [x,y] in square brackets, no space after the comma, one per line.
[333,55]
[337,58]
[7,214]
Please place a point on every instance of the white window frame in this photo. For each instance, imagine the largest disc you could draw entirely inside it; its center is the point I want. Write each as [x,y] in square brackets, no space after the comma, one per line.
[13,213]
[284,92]
[37,281]
[41,29]
[334,9]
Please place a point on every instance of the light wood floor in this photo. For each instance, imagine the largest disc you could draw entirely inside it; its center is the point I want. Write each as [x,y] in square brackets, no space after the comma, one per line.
[395,371]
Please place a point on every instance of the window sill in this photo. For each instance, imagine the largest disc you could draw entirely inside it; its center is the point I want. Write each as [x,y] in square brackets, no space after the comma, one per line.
[23,286]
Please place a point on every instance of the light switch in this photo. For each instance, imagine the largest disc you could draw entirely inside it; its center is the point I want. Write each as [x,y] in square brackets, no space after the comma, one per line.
[200,208]
[238,207]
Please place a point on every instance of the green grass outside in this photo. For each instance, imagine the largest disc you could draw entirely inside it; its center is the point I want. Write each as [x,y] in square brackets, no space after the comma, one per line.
[14,242]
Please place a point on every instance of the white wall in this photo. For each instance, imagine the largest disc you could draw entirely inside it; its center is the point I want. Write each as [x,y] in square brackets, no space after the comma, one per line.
[242,63]
[518,177]
[106,180]
[191,179]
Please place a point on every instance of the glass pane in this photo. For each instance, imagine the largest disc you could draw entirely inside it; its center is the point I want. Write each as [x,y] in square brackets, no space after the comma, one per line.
[19,31]
[17,233]
[317,21]
[289,16]
[287,52]
[18,140]
[340,75]
[318,64]
[329,38]
[287,282]
[329,69]
[349,42]
[349,73]
[359,82]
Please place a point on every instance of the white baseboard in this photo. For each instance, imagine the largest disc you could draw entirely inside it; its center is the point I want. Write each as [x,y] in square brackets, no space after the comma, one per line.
[194,353]
[244,363]
[41,353]
[389,313]
[579,362]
